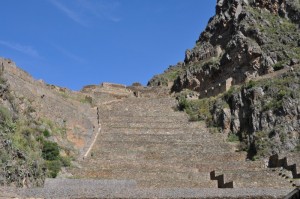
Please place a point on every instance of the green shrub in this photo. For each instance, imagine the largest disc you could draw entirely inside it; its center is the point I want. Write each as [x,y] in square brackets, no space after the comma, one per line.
[2,79]
[233,138]
[274,104]
[87,100]
[230,92]
[65,161]
[250,84]
[182,103]
[262,144]
[53,168]
[50,150]
[198,110]
[46,133]
[278,66]
[283,93]
[283,137]
[214,130]
[5,115]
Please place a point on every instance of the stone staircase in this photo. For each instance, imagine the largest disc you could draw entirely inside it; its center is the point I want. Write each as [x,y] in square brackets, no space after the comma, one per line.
[287,166]
[145,140]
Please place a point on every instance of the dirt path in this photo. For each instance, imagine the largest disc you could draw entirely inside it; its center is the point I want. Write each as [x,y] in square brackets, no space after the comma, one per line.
[276,73]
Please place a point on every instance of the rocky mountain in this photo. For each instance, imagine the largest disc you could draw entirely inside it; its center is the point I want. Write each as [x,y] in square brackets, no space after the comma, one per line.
[244,40]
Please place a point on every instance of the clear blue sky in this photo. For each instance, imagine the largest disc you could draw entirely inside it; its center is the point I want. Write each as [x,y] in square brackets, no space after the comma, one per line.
[72,43]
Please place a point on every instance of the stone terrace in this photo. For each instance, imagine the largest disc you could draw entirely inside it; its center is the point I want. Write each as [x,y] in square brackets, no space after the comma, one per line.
[143,140]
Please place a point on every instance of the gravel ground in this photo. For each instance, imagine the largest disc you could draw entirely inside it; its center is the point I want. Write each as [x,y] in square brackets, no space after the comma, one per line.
[84,189]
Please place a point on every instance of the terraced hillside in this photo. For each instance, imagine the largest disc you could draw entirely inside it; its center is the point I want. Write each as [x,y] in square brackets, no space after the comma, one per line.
[147,149]
[143,140]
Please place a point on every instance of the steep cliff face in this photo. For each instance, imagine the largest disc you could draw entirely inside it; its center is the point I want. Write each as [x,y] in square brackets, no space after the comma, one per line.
[245,39]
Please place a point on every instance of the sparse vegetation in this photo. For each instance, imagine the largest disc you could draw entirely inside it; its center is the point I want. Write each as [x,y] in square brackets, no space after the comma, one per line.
[233,138]
[262,144]
[53,167]
[230,92]
[87,100]
[46,133]
[297,148]
[250,84]
[278,65]
[170,75]
[198,110]
[50,151]
[23,142]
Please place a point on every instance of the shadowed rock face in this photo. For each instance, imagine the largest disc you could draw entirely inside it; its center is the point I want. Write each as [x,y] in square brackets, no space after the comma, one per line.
[245,39]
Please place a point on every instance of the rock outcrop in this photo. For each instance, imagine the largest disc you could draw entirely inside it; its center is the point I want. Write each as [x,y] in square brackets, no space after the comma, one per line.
[264,114]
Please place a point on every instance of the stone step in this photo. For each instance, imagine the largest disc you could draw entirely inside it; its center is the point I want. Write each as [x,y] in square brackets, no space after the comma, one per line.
[147,125]
[137,119]
[230,165]
[52,183]
[135,107]
[173,183]
[140,113]
[167,102]
[164,147]
[137,175]
[294,158]
[177,167]
[153,166]
[150,104]
[157,158]
[264,178]
[159,138]
[155,130]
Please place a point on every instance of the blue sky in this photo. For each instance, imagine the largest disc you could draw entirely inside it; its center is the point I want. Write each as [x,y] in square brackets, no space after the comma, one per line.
[72,43]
